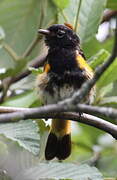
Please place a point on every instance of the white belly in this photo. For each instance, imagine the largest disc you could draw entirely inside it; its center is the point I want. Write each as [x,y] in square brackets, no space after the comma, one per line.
[58,94]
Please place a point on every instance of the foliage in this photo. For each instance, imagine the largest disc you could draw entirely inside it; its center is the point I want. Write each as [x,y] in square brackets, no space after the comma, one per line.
[20,142]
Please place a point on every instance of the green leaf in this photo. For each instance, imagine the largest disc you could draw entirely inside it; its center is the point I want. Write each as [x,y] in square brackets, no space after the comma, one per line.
[103,92]
[35,71]
[61,4]
[93,46]
[21,20]
[112,4]
[24,132]
[92,134]
[89,18]
[114,89]
[22,100]
[69,13]
[6,60]
[18,67]
[109,101]
[108,164]
[18,18]
[4,176]
[26,166]
[14,159]
[6,73]
[109,76]
[98,58]
[44,132]
[62,171]
[2,36]
[25,84]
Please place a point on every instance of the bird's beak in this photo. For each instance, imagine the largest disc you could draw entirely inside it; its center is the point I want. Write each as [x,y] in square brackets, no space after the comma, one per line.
[44,31]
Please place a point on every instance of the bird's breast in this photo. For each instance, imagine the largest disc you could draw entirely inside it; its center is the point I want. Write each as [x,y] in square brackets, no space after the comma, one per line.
[53,87]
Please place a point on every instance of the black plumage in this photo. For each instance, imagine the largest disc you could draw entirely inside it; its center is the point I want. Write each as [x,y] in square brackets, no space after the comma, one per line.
[64,73]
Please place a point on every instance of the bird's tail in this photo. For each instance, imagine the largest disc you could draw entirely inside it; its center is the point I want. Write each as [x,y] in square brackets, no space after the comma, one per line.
[59,140]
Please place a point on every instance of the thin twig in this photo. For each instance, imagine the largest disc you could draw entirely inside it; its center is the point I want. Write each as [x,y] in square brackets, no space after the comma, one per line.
[64,16]
[77,16]
[4,109]
[6,83]
[93,161]
[38,37]
[10,51]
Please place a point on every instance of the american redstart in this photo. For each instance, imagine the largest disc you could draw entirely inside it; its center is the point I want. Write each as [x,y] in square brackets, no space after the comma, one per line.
[64,73]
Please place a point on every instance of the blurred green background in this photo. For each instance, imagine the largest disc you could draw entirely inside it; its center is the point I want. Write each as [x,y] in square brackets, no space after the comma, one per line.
[94,22]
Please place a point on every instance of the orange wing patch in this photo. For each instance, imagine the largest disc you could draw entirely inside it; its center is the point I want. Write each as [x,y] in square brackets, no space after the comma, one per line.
[84,65]
[46,68]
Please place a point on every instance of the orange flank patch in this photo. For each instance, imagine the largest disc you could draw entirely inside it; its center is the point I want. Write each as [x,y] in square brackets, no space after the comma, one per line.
[47,68]
[83,64]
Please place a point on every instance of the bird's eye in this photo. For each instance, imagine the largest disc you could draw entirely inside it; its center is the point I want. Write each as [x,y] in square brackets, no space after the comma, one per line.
[60,33]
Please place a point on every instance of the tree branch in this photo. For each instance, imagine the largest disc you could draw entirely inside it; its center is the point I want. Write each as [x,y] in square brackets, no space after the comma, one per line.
[46,112]
[37,62]
[106,112]
[108,15]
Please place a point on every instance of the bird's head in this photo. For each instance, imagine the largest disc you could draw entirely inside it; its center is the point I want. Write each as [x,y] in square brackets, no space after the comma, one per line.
[60,36]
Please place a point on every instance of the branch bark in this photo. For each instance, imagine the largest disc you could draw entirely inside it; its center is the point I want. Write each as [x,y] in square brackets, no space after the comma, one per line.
[106,112]
[108,15]
[16,114]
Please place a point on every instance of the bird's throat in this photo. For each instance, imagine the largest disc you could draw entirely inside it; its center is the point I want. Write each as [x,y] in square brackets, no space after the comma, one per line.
[61,60]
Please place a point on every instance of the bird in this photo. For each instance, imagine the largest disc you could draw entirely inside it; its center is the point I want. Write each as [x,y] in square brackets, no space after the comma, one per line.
[65,70]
